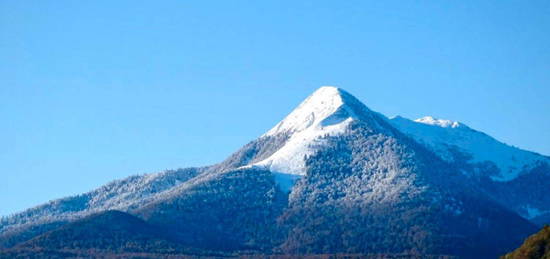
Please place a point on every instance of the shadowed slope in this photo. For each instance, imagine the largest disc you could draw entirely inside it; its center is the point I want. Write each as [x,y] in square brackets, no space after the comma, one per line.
[104,234]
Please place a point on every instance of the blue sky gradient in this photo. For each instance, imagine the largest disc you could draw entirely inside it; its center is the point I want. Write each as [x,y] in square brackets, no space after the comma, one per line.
[92,91]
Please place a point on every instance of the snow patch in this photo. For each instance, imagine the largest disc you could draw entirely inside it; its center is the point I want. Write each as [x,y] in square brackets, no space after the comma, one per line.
[438,122]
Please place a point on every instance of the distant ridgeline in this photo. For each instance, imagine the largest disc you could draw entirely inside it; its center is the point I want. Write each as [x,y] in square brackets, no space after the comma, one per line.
[332,178]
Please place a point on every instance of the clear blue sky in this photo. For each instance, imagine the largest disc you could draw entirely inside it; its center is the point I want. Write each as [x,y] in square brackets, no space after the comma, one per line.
[92,91]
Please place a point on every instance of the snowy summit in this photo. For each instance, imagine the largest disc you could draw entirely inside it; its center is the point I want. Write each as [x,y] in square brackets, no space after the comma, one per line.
[326,112]
[311,112]
[322,113]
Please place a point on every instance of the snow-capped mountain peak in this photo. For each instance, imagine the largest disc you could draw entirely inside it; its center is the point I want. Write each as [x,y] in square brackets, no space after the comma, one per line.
[363,170]
[439,122]
[323,113]
[326,112]
[312,112]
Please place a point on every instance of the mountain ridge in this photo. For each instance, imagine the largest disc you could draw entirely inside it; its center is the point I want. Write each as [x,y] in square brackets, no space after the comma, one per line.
[482,147]
[332,159]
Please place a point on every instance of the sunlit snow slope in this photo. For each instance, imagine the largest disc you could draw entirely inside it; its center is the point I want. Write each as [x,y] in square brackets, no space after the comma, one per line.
[445,136]
[327,112]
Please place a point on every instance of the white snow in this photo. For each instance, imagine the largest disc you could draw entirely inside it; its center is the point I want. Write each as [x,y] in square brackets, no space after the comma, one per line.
[306,125]
[318,106]
[439,135]
[438,122]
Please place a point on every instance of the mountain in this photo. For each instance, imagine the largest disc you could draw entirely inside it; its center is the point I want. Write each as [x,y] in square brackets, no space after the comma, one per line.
[118,195]
[104,234]
[446,138]
[504,172]
[333,177]
[536,246]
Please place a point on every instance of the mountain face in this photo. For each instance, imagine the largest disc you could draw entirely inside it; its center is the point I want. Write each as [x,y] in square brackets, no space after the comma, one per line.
[119,233]
[503,171]
[456,142]
[333,177]
[118,195]
[327,112]
[115,229]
